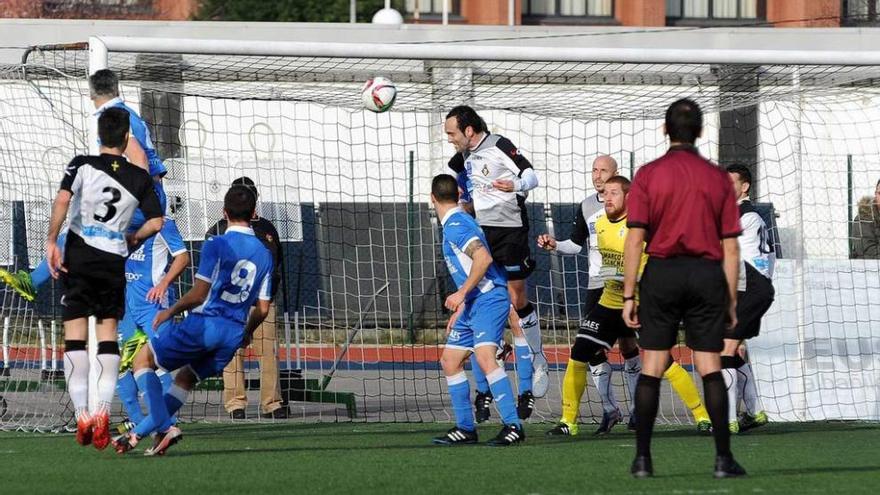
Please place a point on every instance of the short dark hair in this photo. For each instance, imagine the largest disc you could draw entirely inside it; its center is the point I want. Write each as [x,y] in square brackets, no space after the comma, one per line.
[465,117]
[742,171]
[684,121]
[104,83]
[621,180]
[113,125]
[444,187]
[248,183]
[240,203]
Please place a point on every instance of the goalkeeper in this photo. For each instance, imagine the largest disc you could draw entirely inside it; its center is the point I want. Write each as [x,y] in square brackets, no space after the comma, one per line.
[604,325]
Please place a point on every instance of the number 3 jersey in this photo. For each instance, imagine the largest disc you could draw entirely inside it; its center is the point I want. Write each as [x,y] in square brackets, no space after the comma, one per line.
[106,190]
[239,268]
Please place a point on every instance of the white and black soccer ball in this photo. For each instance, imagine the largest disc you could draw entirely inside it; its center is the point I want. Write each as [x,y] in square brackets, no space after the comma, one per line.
[378,94]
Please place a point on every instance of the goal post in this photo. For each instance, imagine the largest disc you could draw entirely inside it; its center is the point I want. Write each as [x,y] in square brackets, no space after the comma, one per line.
[364,272]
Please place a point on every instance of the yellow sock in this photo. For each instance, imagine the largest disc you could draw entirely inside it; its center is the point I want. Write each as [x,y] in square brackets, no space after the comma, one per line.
[573,385]
[686,389]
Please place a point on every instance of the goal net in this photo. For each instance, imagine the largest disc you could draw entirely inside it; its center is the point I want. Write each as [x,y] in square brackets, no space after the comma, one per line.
[360,319]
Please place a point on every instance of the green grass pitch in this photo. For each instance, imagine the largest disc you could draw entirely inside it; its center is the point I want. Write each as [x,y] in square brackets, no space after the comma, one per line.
[399,458]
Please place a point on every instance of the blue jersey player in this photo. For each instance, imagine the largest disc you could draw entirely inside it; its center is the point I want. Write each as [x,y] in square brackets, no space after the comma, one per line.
[234,273]
[481,306]
[104,90]
[148,290]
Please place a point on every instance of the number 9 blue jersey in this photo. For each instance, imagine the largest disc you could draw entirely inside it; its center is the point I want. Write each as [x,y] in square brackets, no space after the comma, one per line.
[239,268]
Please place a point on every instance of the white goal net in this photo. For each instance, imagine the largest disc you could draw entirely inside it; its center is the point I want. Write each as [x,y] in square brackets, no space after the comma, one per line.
[360,318]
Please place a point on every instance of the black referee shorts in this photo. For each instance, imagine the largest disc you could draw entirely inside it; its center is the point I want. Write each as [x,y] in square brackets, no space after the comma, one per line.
[693,290]
[510,249]
[93,286]
[751,305]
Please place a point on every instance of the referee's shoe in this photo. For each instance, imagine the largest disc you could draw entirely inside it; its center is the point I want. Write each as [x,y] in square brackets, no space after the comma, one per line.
[727,467]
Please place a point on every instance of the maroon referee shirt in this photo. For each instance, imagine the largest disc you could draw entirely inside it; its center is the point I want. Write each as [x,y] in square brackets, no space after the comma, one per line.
[685,203]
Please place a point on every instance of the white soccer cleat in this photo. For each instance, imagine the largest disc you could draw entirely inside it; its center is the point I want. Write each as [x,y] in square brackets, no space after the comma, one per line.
[540,375]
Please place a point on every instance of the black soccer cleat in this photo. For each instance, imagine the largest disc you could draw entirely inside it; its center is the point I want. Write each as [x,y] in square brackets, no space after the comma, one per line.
[563,430]
[642,467]
[525,404]
[509,435]
[456,436]
[727,467]
[482,406]
[608,422]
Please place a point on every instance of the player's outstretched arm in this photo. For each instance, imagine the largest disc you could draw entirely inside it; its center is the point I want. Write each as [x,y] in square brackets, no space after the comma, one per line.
[136,155]
[150,228]
[194,297]
[59,213]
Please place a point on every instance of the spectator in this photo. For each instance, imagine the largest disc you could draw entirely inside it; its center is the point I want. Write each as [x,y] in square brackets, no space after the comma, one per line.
[864,231]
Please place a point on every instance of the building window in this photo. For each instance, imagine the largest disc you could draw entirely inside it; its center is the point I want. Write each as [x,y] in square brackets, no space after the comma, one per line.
[432,8]
[861,13]
[567,11]
[715,12]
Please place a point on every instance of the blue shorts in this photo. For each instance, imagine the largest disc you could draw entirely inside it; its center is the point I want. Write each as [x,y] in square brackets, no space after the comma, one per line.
[139,315]
[481,322]
[205,344]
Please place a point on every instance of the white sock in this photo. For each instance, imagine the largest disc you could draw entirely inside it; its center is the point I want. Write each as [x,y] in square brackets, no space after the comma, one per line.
[602,378]
[531,327]
[632,368]
[108,372]
[730,382]
[747,388]
[76,372]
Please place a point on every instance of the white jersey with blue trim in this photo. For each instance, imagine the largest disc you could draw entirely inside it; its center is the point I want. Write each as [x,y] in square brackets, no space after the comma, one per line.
[239,268]
[149,263]
[459,231]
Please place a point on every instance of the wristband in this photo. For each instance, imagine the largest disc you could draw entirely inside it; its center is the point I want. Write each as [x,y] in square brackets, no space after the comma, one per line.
[629,298]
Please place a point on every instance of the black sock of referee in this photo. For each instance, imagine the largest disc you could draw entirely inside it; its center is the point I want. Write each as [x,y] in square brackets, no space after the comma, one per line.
[647,400]
[716,405]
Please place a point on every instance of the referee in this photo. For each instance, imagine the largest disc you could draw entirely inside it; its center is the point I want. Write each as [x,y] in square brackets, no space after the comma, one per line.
[683,207]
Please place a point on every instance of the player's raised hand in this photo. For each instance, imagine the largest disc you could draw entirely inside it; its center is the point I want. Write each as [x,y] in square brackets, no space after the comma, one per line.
[503,185]
[631,314]
[546,242]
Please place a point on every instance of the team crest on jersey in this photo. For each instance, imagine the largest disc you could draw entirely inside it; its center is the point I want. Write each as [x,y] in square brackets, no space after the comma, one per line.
[622,232]
[485,170]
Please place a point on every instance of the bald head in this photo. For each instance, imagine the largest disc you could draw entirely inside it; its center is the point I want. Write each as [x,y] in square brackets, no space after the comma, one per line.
[604,168]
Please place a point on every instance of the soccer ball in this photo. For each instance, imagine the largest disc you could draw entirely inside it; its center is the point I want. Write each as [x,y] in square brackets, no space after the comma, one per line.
[378,94]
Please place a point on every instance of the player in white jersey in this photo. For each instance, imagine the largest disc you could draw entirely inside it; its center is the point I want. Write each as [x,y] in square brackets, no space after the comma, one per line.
[100,193]
[497,179]
[755,296]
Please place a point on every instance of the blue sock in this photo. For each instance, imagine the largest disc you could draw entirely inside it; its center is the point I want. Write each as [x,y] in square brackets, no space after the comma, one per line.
[479,376]
[150,385]
[167,380]
[40,275]
[524,365]
[460,393]
[127,390]
[503,394]
[175,397]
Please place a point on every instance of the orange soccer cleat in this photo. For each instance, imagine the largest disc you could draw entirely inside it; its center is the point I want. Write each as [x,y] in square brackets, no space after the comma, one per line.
[84,429]
[101,435]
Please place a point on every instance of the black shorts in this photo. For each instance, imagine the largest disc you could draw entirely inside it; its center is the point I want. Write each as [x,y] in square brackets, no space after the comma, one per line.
[592,300]
[94,285]
[603,326]
[689,290]
[510,249]
[752,304]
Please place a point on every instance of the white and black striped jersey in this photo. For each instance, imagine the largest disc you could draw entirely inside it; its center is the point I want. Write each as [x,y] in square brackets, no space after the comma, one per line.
[584,228]
[495,158]
[755,244]
[106,192]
